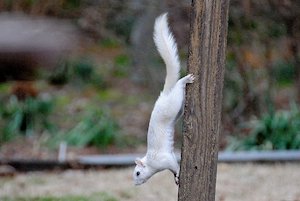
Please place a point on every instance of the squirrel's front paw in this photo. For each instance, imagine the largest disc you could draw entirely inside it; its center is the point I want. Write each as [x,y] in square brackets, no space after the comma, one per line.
[176,177]
[189,78]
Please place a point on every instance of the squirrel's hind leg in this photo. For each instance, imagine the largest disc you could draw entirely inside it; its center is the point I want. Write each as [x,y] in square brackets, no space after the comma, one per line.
[174,168]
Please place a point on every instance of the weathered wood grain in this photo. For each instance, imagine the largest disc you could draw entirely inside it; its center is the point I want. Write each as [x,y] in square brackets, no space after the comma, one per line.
[202,119]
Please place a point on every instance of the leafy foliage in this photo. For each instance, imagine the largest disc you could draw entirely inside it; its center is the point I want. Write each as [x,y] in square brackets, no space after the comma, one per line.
[274,131]
[84,69]
[24,117]
[81,70]
[122,63]
[284,73]
[109,43]
[97,128]
[61,74]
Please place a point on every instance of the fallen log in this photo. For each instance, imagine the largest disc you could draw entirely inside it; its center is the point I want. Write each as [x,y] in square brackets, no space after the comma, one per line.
[125,160]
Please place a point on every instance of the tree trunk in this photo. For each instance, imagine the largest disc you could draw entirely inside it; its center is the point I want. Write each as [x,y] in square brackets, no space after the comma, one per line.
[202,120]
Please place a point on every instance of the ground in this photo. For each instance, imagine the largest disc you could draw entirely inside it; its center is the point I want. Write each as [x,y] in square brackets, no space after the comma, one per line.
[235,182]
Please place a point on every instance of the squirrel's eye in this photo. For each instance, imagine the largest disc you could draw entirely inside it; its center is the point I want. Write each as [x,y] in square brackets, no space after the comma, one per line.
[138,173]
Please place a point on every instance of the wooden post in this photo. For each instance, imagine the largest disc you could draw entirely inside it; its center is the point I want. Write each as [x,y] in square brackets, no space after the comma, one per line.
[202,120]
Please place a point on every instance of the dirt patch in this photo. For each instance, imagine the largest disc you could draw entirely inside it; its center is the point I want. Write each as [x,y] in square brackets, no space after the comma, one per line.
[236,182]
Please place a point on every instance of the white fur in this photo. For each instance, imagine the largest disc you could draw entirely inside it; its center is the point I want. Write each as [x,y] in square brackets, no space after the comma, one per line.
[160,152]
[167,48]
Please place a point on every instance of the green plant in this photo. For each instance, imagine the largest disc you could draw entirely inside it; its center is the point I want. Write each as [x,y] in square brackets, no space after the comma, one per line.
[84,69]
[61,74]
[97,128]
[81,70]
[122,25]
[109,43]
[24,117]
[284,72]
[122,63]
[274,131]
[72,4]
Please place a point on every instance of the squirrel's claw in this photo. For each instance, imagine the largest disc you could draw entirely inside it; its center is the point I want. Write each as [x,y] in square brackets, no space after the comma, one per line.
[176,177]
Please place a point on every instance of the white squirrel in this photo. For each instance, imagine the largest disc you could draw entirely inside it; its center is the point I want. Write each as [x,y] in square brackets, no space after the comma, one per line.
[160,138]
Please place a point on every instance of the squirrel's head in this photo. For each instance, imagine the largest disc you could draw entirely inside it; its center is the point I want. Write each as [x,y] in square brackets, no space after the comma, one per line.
[141,172]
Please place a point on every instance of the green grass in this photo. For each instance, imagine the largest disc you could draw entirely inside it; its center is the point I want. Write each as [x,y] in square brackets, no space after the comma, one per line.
[103,196]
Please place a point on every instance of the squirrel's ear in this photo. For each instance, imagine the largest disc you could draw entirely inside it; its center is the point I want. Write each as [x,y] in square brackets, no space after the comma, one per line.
[139,162]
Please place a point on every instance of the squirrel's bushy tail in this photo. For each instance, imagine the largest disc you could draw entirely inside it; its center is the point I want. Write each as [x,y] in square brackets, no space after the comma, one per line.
[167,48]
